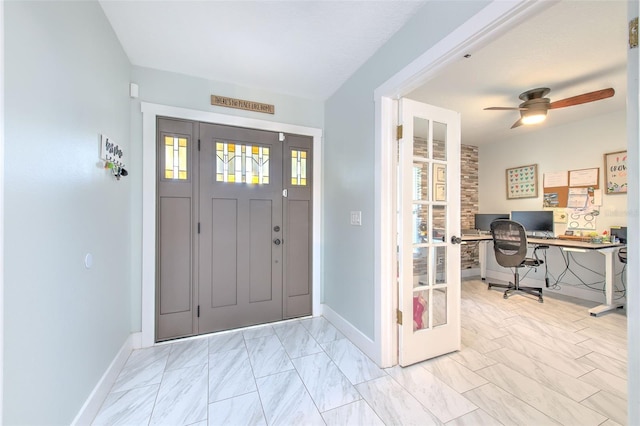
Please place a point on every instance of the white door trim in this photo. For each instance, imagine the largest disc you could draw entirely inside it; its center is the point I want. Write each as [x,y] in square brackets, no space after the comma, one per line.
[2,299]
[495,19]
[150,112]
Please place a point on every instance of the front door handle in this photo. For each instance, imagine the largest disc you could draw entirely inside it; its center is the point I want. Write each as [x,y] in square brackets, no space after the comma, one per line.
[456,240]
[277,241]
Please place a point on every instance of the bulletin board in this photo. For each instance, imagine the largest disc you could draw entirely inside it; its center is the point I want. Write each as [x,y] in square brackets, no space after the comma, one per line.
[566,188]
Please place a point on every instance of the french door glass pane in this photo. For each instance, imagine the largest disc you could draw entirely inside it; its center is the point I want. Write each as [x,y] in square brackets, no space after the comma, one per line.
[421,266]
[439,306]
[420,222]
[439,141]
[420,181]
[420,310]
[439,223]
[440,261]
[420,137]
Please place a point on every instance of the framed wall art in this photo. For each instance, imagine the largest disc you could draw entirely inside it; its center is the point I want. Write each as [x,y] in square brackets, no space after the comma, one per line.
[522,182]
[615,172]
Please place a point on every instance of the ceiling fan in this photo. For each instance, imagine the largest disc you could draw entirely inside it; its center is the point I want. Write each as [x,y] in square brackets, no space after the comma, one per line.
[535,106]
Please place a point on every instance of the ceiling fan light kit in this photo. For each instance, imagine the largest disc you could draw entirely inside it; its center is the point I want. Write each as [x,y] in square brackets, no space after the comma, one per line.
[535,106]
[533,117]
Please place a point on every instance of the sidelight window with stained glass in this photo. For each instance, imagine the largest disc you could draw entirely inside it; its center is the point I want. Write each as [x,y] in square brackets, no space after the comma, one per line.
[175,158]
[298,167]
[238,163]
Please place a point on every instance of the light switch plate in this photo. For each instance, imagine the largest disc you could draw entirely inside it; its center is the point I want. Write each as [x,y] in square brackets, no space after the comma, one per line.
[356,218]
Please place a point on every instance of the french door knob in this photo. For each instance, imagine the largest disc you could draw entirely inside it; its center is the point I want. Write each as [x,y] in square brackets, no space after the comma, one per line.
[277,241]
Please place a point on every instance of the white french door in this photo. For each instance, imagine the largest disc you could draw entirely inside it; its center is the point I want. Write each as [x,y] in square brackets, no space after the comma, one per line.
[428,231]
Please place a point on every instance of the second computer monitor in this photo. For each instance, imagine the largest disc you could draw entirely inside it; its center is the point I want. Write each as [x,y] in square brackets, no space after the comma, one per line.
[483,220]
[540,221]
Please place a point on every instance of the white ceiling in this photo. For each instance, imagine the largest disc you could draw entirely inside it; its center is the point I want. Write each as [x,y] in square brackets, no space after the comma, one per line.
[308,48]
[572,47]
[305,48]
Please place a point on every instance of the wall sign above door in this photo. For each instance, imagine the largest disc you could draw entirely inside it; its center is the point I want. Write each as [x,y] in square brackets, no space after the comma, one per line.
[242,104]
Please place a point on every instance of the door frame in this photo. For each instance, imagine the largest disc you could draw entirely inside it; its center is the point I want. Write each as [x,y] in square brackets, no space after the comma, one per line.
[494,20]
[150,112]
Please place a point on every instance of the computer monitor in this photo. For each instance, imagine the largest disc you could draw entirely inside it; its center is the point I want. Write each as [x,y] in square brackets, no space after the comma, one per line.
[483,220]
[540,221]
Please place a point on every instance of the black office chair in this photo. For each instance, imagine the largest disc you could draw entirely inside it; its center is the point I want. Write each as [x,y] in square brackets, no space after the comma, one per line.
[510,247]
[622,255]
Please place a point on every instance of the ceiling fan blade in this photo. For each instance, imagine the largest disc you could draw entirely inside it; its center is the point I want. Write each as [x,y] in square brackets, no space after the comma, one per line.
[517,124]
[583,99]
[505,109]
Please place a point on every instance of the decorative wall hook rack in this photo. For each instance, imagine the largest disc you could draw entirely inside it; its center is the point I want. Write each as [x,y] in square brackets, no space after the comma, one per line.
[113,157]
[117,170]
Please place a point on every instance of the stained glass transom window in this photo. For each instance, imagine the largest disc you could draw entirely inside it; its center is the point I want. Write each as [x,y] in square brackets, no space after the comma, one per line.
[175,158]
[242,163]
[298,167]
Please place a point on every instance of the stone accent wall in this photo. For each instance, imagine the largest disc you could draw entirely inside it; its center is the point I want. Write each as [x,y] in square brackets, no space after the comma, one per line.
[468,201]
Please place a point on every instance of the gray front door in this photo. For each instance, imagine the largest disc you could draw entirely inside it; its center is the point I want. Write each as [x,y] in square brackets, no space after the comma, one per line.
[240,262]
[234,227]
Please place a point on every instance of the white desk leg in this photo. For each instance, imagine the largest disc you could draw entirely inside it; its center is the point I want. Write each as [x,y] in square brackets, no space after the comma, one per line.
[609,305]
[482,258]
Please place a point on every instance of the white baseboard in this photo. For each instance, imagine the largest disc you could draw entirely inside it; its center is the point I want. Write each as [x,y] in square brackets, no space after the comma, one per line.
[471,272]
[93,403]
[365,344]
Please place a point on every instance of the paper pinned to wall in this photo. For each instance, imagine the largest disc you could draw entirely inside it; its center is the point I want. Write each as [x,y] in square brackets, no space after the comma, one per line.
[597,197]
[582,218]
[584,177]
[560,216]
[578,198]
[555,179]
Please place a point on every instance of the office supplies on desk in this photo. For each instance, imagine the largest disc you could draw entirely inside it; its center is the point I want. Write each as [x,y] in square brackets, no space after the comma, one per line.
[620,232]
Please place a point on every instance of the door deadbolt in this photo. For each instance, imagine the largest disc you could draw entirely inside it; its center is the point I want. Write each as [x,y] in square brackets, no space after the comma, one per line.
[276,228]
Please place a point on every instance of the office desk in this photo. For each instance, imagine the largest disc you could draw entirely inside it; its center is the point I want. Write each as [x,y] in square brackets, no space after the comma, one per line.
[606,249]
[483,240]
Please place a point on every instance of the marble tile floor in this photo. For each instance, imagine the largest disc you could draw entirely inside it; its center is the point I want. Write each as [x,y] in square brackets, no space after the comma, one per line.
[521,363]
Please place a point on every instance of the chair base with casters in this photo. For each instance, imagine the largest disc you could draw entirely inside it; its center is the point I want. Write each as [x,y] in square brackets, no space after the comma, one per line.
[515,287]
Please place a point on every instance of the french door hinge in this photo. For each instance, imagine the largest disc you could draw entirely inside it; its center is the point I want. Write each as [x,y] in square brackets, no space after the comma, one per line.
[399,132]
[198,311]
[198,144]
[399,316]
[633,33]
[198,227]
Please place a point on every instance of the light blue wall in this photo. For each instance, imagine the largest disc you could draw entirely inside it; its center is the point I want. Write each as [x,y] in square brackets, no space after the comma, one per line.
[66,81]
[179,90]
[349,161]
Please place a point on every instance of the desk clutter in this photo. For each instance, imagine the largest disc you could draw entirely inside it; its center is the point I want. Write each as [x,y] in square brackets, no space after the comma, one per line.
[541,224]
